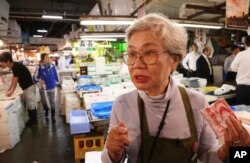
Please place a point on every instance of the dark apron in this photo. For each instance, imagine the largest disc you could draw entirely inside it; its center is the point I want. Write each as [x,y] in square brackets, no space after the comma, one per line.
[154,149]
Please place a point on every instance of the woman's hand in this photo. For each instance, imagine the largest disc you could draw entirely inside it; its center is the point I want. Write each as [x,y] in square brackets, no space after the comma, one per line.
[234,135]
[117,140]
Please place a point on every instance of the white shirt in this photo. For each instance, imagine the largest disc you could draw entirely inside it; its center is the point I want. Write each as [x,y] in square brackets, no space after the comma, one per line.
[241,66]
[125,110]
[227,63]
[189,60]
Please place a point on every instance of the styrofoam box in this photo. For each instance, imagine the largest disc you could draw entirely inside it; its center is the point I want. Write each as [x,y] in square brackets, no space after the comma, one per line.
[21,119]
[63,93]
[79,122]
[6,109]
[72,101]
[68,113]
[8,142]
[9,127]
[17,102]
[88,99]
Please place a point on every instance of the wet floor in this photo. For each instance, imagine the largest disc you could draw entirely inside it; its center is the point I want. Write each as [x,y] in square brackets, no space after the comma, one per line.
[43,143]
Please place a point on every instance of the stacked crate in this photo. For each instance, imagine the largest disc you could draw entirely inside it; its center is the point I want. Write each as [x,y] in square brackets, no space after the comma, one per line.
[11,123]
[72,102]
[86,143]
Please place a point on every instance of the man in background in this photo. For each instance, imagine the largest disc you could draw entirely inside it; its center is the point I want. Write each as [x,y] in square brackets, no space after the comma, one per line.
[240,65]
[204,66]
[22,76]
[189,62]
[231,75]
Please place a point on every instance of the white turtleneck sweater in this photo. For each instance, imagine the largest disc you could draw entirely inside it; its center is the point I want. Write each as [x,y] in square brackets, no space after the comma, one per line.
[176,124]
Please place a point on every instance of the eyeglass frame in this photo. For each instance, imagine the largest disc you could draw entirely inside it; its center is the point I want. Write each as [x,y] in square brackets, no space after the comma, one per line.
[142,57]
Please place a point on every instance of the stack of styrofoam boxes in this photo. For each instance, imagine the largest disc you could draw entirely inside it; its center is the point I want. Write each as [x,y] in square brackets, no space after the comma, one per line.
[72,102]
[119,89]
[21,114]
[68,87]
[9,133]
[68,84]
[89,99]
[62,95]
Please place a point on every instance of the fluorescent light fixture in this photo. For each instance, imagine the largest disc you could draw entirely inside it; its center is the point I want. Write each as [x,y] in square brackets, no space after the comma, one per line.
[51,17]
[42,31]
[98,39]
[107,20]
[37,36]
[1,43]
[200,26]
[102,35]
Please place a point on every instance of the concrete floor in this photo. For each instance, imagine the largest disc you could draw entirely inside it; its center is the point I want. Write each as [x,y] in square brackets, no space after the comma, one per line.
[43,143]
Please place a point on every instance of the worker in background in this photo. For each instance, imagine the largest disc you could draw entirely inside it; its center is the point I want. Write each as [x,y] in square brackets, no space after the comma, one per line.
[21,75]
[189,61]
[231,75]
[46,78]
[204,67]
[240,65]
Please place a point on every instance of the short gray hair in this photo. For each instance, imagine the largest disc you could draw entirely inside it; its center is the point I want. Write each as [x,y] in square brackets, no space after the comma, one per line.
[173,35]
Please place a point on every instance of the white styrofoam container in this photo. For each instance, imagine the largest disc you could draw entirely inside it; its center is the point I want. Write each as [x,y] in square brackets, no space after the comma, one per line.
[9,141]
[72,101]
[6,128]
[88,99]
[6,109]
[68,114]
[10,126]
[21,119]
[79,122]
[17,102]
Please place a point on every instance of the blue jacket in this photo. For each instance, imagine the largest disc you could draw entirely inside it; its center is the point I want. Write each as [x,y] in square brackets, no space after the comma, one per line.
[48,74]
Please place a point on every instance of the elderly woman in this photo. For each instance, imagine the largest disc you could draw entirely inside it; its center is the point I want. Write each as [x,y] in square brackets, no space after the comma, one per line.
[161,122]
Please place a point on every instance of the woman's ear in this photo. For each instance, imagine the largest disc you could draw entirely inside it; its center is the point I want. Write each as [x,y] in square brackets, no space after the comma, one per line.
[176,59]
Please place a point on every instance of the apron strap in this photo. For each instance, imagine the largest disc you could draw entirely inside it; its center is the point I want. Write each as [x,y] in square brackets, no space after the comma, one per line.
[144,126]
[189,112]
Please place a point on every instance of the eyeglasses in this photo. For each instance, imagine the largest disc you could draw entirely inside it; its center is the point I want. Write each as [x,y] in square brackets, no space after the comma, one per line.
[148,57]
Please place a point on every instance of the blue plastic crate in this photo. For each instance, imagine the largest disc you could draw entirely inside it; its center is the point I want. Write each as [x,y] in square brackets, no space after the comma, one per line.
[79,122]
[102,110]
[90,87]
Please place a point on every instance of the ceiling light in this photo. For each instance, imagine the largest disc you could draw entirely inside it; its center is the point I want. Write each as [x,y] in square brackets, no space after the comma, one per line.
[51,17]
[201,26]
[37,36]
[198,24]
[98,39]
[1,43]
[102,35]
[42,31]
[107,20]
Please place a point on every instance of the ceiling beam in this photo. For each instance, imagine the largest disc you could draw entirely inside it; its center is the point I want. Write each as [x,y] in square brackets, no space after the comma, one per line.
[209,10]
[217,9]
[138,8]
[217,18]
[29,11]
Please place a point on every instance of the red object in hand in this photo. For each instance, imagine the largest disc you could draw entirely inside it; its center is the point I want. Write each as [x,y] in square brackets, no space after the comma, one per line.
[216,114]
